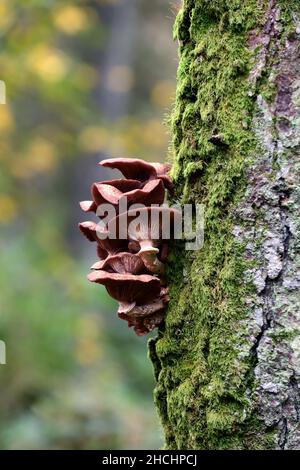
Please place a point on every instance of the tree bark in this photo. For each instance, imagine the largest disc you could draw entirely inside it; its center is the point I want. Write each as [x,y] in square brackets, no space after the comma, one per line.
[227,361]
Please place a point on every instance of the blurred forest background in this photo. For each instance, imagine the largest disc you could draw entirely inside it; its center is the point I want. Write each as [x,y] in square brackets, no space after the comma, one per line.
[85,80]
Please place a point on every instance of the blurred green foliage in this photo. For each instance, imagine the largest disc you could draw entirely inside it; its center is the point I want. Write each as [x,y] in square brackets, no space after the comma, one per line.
[75,377]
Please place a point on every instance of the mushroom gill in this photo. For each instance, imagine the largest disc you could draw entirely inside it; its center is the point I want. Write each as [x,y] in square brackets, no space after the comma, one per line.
[149,229]
[121,263]
[128,287]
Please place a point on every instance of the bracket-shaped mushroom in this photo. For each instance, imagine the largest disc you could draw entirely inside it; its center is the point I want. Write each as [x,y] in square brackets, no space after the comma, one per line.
[133,249]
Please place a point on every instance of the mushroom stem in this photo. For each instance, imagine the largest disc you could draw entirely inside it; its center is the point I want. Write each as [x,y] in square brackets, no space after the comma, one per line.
[134,311]
[126,307]
[148,253]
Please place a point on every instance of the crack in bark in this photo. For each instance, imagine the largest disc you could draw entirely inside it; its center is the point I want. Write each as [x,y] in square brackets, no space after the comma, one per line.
[294,399]
[266,293]
[296,395]
[283,433]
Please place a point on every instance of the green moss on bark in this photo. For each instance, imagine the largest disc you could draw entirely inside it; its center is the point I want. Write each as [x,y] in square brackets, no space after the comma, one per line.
[202,379]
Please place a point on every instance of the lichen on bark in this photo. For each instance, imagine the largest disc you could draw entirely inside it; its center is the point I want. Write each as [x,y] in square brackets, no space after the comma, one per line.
[227,362]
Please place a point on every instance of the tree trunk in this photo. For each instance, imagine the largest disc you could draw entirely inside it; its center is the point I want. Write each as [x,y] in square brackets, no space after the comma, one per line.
[227,362]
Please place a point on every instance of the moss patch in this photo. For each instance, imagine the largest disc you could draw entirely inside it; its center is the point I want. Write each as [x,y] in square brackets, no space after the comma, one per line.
[201,392]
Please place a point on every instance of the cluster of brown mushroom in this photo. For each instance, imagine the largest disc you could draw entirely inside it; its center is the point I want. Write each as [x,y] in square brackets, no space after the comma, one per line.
[131,267]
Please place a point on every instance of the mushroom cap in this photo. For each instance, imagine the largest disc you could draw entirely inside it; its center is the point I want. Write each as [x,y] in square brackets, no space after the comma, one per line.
[148,255]
[89,230]
[131,168]
[137,311]
[105,193]
[121,263]
[152,193]
[138,169]
[123,185]
[144,318]
[133,310]
[128,287]
[88,206]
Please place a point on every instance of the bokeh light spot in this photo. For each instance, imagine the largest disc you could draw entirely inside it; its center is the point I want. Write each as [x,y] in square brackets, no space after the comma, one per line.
[120,79]
[71,19]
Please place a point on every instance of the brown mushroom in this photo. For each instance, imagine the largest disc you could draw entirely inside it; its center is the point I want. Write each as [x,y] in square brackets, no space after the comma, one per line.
[89,230]
[128,287]
[146,317]
[105,193]
[157,223]
[132,240]
[143,326]
[88,206]
[150,236]
[121,263]
[133,310]
[123,185]
[140,170]
[149,255]
[152,193]
[148,231]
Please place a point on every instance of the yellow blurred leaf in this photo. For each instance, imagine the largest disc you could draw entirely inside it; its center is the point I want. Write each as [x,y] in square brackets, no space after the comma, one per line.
[50,64]
[6,118]
[8,208]
[71,19]
[40,157]
[7,15]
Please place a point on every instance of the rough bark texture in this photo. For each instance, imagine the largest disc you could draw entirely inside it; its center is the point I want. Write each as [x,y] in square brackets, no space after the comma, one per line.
[227,361]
